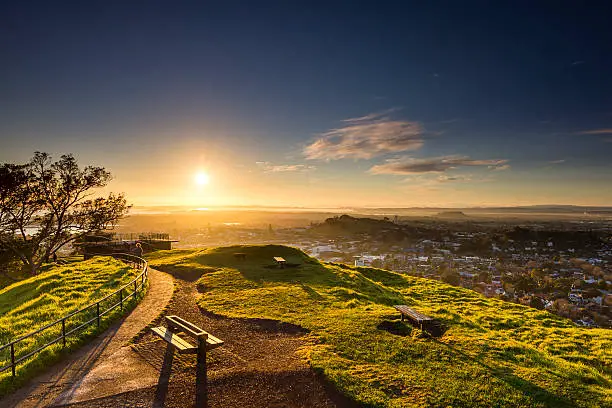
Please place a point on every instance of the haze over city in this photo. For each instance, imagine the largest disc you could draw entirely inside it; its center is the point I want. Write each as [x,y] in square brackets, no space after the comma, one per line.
[317,104]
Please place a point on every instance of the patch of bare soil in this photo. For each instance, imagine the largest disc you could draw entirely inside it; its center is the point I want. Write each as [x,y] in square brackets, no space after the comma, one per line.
[256,367]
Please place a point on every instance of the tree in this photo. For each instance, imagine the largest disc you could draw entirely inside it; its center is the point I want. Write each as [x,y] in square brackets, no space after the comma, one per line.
[45,204]
[536,303]
[483,276]
[451,277]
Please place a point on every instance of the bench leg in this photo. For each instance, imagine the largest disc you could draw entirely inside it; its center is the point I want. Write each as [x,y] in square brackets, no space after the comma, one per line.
[401,314]
[201,380]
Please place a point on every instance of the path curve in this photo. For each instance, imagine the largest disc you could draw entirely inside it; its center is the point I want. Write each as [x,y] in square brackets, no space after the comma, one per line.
[82,375]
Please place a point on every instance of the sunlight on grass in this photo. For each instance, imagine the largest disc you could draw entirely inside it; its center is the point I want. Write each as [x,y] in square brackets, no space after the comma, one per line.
[32,303]
[494,353]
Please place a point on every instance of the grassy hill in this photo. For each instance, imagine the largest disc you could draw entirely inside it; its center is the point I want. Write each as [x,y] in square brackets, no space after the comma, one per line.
[494,353]
[32,303]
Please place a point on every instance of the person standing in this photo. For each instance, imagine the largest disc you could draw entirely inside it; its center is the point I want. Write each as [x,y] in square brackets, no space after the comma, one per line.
[138,250]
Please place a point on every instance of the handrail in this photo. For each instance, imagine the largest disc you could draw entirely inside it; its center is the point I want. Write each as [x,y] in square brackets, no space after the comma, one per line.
[142,276]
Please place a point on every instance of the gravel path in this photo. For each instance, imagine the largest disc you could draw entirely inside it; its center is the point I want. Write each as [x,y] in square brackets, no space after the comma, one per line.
[257,366]
[72,377]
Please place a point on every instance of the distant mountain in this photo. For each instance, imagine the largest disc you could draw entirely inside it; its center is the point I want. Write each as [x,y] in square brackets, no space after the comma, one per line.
[451,214]
[345,224]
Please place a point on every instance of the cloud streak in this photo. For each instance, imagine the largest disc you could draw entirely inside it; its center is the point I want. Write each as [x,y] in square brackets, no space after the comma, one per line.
[409,165]
[366,137]
[605,131]
[453,179]
[268,167]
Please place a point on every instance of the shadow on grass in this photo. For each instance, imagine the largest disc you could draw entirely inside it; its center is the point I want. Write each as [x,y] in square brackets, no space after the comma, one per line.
[395,327]
[261,325]
[311,292]
[301,269]
[527,388]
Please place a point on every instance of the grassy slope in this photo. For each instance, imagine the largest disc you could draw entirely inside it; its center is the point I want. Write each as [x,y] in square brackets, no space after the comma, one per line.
[494,354]
[32,303]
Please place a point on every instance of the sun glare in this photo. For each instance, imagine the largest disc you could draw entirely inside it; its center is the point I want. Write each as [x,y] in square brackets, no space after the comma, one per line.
[202,179]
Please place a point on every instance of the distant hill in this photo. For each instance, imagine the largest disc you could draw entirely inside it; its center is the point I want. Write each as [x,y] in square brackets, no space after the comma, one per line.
[345,224]
[494,353]
[381,230]
[451,214]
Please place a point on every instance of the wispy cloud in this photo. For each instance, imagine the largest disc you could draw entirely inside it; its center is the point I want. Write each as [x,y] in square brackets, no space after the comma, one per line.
[410,165]
[500,168]
[579,62]
[268,167]
[366,137]
[605,131]
[556,161]
[453,179]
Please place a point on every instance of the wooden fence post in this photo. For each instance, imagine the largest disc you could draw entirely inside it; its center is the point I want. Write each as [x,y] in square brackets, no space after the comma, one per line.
[13,359]
[121,298]
[98,313]
[64,333]
[201,380]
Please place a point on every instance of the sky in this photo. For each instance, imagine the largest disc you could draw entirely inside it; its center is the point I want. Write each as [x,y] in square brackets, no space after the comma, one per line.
[317,104]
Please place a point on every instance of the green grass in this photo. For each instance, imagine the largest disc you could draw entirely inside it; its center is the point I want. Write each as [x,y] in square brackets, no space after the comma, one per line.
[17,272]
[59,290]
[494,354]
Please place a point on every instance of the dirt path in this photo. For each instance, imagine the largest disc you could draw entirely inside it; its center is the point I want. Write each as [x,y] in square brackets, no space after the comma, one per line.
[257,367]
[83,375]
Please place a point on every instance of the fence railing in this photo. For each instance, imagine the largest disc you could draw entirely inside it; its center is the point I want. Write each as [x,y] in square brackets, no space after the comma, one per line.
[137,236]
[137,284]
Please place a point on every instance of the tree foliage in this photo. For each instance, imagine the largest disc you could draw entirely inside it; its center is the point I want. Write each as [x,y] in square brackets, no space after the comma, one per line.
[45,204]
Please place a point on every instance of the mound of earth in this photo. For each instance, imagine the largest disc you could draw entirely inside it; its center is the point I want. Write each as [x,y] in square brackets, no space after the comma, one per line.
[451,214]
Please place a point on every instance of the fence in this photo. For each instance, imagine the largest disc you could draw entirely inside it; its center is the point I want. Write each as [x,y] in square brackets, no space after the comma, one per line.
[136,236]
[137,283]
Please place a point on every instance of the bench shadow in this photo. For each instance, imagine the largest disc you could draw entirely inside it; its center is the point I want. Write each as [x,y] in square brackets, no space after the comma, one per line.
[161,391]
[395,327]
[527,388]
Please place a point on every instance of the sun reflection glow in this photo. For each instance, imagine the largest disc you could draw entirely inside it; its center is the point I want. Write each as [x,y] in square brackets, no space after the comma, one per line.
[202,179]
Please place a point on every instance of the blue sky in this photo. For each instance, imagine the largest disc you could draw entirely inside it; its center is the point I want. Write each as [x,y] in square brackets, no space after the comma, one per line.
[317,103]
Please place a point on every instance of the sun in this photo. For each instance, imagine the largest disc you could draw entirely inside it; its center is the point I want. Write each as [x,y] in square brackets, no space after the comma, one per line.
[201,178]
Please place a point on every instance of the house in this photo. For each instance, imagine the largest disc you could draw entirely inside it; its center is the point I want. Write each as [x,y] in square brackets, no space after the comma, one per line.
[575,297]
[316,251]
[360,261]
[366,260]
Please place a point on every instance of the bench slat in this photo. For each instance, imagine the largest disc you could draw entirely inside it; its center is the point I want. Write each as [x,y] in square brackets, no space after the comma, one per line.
[212,342]
[180,344]
[405,310]
[182,325]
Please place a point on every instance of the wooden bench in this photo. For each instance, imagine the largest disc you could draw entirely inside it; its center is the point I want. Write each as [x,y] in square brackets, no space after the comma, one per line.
[205,342]
[280,261]
[423,322]
[182,346]
[240,256]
